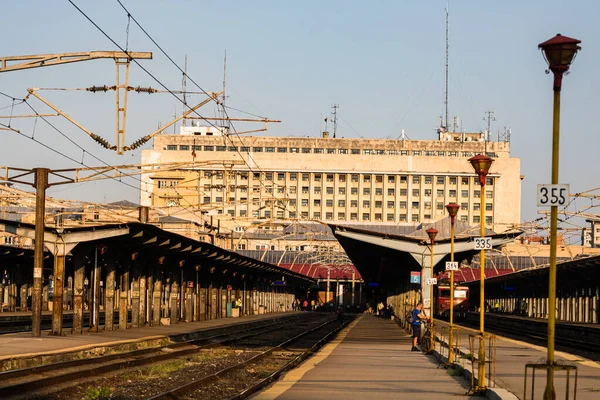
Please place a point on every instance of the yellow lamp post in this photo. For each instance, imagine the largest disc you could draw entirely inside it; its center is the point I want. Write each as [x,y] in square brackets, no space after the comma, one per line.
[559,52]
[432,233]
[452,211]
[481,164]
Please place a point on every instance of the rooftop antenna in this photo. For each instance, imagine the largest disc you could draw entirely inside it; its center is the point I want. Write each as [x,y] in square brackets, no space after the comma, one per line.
[447,53]
[505,136]
[335,107]
[174,116]
[224,116]
[185,107]
[489,117]
[456,124]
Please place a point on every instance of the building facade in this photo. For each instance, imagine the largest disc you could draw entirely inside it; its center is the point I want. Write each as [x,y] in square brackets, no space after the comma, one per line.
[337,180]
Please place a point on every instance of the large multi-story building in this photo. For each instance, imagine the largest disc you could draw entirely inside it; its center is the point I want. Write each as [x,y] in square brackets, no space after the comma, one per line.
[334,179]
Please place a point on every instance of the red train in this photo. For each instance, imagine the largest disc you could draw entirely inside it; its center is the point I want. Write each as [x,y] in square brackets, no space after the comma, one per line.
[461,301]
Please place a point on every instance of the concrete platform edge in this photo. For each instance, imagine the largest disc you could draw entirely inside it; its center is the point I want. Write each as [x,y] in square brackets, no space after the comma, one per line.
[83,347]
[21,360]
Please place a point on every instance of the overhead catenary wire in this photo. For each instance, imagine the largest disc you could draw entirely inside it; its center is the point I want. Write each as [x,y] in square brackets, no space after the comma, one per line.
[84,151]
[180,69]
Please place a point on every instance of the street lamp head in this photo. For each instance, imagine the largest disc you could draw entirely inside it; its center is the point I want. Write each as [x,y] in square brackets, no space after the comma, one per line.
[559,52]
[452,211]
[481,164]
[432,233]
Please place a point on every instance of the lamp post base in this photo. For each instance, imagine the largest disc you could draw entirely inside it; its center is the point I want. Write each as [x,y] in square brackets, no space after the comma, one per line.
[481,363]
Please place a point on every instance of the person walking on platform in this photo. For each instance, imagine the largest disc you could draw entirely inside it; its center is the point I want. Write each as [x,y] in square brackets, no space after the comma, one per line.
[524,308]
[416,317]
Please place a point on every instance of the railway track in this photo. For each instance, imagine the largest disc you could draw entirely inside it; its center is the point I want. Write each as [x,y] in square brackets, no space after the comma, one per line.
[22,323]
[578,339]
[29,382]
[240,380]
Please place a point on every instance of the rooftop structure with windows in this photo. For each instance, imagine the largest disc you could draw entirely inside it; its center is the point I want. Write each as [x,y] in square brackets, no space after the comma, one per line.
[327,179]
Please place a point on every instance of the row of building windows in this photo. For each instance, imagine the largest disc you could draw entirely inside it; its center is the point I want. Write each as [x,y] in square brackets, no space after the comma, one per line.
[364,216]
[354,203]
[354,216]
[354,191]
[321,150]
[317,177]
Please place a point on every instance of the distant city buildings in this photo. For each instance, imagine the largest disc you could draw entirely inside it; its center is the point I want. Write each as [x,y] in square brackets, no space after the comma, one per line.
[370,181]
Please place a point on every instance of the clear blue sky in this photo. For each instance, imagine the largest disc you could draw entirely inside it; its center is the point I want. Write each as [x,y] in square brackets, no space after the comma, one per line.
[382,62]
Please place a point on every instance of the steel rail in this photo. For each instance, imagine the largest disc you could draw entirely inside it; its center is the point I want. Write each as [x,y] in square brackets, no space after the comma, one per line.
[539,336]
[127,360]
[291,364]
[188,387]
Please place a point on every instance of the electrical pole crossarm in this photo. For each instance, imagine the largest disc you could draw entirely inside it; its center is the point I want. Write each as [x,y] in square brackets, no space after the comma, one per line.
[15,63]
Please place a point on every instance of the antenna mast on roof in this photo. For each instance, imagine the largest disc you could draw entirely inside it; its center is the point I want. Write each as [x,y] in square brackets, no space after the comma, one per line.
[447,53]
[489,117]
[185,107]
[504,137]
[335,107]
[224,114]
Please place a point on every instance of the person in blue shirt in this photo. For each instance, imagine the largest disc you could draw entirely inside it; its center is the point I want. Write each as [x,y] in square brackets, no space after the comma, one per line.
[417,316]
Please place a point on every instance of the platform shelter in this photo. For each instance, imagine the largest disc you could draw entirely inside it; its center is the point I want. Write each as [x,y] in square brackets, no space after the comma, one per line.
[385,261]
[136,274]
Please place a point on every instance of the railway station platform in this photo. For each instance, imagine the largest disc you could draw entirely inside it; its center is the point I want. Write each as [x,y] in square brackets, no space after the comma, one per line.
[18,349]
[370,358]
[512,356]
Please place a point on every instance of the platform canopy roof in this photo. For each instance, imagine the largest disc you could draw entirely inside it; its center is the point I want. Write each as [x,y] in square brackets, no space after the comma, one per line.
[387,259]
[148,240]
[576,268]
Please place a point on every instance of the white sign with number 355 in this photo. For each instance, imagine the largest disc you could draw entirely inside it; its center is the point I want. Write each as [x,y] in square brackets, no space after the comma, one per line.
[552,195]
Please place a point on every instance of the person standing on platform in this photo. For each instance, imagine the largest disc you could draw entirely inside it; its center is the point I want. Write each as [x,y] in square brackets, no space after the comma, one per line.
[417,316]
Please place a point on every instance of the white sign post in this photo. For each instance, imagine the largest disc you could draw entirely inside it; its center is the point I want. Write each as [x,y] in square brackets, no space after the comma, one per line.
[483,243]
[552,195]
[451,265]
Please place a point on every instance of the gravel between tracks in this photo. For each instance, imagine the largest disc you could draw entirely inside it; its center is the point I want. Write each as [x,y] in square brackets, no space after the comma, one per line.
[145,382]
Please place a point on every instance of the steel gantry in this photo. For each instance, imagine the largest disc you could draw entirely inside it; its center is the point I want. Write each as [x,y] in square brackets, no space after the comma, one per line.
[122,61]
[121,88]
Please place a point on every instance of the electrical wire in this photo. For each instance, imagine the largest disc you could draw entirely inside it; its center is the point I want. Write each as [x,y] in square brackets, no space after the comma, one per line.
[161,84]
[84,151]
[227,137]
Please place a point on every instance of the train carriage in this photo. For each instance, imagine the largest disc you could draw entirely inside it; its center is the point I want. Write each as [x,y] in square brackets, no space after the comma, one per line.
[461,301]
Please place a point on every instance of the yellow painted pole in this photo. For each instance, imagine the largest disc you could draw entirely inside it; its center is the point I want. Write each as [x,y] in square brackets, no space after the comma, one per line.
[549,392]
[451,333]
[431,303]
[481,356]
